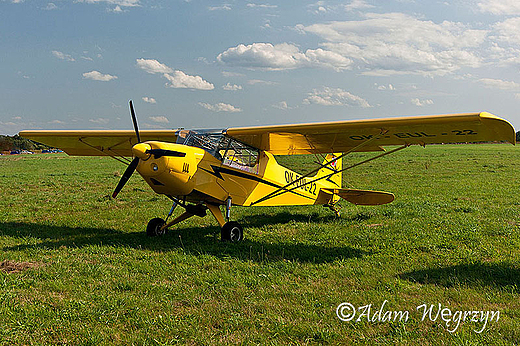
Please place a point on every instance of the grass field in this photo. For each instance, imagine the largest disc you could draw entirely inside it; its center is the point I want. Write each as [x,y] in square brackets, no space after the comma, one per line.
[76,267]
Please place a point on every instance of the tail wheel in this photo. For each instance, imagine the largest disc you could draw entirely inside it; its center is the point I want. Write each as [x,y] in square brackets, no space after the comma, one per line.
[153,228]
[232,232]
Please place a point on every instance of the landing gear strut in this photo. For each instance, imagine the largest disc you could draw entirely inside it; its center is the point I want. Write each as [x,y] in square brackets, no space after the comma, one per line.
[231,231]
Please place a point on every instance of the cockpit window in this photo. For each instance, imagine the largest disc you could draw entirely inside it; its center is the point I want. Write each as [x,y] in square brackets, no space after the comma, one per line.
[229,151]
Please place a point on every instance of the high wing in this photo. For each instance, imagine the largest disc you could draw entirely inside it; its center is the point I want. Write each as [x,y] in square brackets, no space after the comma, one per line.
[97,142]
[342,136]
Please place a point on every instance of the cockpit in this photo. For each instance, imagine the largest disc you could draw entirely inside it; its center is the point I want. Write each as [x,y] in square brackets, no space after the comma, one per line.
[229,151]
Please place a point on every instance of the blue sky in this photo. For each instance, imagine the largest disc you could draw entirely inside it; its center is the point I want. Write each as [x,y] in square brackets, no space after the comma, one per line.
[210,64]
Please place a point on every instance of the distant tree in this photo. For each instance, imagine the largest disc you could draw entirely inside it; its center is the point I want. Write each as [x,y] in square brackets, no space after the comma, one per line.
[518,136]
[8,143]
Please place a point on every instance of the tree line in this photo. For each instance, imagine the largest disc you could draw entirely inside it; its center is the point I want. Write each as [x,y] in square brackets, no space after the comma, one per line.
[8,143]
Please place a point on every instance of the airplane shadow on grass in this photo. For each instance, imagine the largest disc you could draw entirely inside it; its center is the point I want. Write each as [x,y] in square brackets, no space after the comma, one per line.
[476,274]
[193,240]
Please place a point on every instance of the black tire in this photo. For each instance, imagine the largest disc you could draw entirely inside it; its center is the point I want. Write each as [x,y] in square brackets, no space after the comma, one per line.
[232,232]
[153,229]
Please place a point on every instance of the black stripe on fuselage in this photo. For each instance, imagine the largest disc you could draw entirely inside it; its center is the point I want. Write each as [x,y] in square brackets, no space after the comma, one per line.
[218,170]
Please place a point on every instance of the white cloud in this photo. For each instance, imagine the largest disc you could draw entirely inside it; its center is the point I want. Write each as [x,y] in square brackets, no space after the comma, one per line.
[101,121]
[499,84]
[220,107]
[56,121]
[335,97]
[396,43]
[232,74]
[281,57]
[177,79]
[117,9]
[259,81]
[385,87]
[149,99]
[421,103]
[232,87]
[225,7]
[508,31]
[62,56]
[95,75]
[507,7]
[153,66]
[124,3]
[159,119]
[281,105]
[50,6]
[180,79]
[357,5]
[261,5]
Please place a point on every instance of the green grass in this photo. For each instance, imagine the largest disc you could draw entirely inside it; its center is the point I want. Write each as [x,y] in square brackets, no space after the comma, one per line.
[452,236]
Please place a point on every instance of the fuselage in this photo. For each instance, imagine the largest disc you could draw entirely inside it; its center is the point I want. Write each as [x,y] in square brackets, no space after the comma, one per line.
[246,175]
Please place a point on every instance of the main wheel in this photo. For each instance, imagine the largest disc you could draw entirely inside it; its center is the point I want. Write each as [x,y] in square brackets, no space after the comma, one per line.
[153,228]
[232,231]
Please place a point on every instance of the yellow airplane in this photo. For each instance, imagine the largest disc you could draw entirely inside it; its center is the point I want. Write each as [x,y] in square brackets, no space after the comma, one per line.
[202,170]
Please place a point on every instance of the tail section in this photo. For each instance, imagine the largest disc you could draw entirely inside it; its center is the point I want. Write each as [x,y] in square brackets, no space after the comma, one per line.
[334,166]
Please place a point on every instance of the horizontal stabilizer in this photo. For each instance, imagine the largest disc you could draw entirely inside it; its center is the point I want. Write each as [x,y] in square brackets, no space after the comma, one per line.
[363,197]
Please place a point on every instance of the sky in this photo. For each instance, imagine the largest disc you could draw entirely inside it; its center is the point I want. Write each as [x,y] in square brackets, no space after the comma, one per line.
[75,64]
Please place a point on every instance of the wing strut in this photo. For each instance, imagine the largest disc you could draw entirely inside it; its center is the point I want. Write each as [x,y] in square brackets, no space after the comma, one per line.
[284,189]
[121,158]
[326,164]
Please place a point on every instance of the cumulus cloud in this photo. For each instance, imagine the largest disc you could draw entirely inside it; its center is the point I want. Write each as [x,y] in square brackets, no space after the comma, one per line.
[176,78]
[421,103]
[508,31]
[220,107]
[159,119]
[149,99]
[499,84]
[95,75]
[153,66]
[507,7]
[232,87]
[335,97]
[180,79]
[62,56]
[397,43]
[281,105]
[281,57]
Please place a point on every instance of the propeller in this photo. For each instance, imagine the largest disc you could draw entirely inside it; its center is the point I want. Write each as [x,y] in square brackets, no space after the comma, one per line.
[140,150]
[133,165]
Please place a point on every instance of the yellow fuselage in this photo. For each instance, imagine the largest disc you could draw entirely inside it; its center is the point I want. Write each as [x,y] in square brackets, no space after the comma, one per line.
[201,177]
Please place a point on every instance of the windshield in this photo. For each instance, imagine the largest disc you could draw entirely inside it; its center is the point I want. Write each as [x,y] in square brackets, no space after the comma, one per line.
[228,150]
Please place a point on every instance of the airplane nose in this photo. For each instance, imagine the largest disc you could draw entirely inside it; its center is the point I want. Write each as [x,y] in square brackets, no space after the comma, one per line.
[139,150]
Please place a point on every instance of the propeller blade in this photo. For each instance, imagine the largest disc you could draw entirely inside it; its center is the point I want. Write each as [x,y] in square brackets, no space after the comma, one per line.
[157,153]
[134,120]
[128,173]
